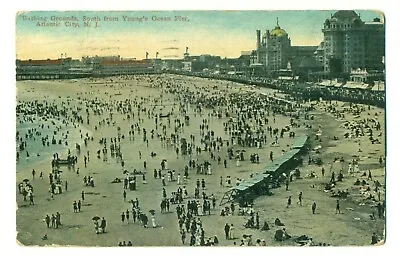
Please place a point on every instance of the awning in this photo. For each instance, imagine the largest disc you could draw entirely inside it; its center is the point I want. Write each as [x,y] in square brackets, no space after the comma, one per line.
[300,142]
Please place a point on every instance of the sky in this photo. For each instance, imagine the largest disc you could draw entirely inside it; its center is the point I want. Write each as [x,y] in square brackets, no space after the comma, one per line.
[223,33]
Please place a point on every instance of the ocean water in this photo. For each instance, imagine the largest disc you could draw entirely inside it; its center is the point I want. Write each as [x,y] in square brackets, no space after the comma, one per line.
[51,128]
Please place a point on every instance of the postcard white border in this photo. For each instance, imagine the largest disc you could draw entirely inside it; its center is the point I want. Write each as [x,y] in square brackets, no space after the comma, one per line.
[8,234]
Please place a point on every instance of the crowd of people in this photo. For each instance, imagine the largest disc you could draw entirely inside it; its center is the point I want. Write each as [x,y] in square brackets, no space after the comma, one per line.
[232,126]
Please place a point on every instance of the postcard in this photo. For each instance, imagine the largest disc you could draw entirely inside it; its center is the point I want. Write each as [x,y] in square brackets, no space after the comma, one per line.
[159,128]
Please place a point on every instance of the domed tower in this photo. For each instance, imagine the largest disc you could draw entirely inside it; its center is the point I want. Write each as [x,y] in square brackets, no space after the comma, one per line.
[278,48]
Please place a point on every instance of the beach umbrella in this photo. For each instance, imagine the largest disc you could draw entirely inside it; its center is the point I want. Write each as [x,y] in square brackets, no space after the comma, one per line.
[25,180]
[95,218]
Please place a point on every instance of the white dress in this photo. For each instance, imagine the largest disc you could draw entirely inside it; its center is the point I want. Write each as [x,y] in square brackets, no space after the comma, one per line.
[231,232]
[349,171]
[356,169]
[153,221]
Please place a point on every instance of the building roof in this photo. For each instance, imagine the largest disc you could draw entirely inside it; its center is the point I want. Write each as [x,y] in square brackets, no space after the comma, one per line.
[40,62]
[126,62]
[309,62]
[300,142]
[272,167]
[345,15]
[278,31]
[248,183]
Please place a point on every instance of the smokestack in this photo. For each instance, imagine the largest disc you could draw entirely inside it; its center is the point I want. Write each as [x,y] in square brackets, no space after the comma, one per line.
[187,49]
[258,38]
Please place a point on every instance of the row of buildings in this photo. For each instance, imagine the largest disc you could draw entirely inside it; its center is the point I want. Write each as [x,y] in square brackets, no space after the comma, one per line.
[349,45]
[351,49]
[74,68]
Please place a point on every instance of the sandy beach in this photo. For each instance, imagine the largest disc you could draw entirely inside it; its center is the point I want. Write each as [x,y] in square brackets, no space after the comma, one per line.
[104,105]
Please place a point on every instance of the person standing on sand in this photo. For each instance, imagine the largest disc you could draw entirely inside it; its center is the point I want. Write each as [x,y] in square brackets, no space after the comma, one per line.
[145,220]
[289,201]
[66,185]
[332,178]
[47,219]
[79,205]
[337,206]
[83,195]
[167,204]
[103,225]
[226,229]
[53,221]
[31,199]
[314,207]
[122,217]
[300,199]
[134,215]
[153,221]
[183,236]
[231,232]
[75,207]
[124,195]
[232,208]
[238,162]
[96,226]
[369,175]
[127,215]
[58,219]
